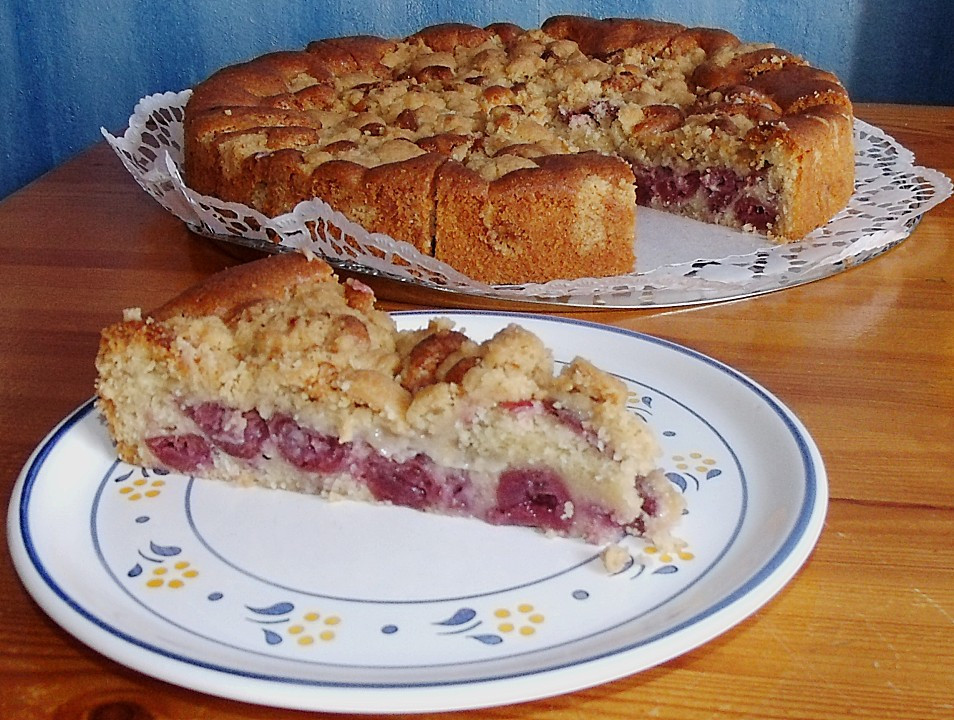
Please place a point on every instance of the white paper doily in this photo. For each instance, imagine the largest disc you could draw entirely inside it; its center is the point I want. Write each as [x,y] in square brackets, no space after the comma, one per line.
[680,261]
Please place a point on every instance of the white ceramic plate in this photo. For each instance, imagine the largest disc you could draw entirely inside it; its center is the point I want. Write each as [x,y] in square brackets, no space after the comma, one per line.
[287,600]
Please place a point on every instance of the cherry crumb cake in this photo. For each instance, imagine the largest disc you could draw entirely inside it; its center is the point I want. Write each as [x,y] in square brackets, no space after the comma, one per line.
[519,155]
[275,374]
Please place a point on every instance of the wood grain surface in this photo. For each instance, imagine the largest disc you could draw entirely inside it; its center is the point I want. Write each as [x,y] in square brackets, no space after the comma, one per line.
[865,358]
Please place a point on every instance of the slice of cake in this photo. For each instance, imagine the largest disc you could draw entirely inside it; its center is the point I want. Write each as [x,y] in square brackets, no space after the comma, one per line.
[275,374]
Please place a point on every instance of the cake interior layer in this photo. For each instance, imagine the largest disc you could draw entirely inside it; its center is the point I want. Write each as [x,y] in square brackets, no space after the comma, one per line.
[213,440]
[715,194]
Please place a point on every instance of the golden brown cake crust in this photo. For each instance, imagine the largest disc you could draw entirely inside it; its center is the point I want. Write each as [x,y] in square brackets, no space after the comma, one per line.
[228,292]
[601,38]
[380,128]
[542,202]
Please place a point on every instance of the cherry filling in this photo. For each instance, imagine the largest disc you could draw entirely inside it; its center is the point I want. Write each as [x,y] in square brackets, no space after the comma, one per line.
[528,496]
[411,483]
[721,192]
[416,483]
[759,215]
[672,188]
[650,507]
[308,449]
[518,405]
[534,497]
[721,186]
[239,434]
[184,453]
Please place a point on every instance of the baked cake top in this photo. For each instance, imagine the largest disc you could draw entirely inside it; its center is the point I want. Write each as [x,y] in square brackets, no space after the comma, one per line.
[495,98]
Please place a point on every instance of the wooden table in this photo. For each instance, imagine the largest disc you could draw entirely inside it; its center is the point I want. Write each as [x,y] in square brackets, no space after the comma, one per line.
[865,358]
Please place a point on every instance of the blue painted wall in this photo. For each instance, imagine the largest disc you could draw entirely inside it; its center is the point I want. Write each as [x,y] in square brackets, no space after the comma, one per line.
[67,68]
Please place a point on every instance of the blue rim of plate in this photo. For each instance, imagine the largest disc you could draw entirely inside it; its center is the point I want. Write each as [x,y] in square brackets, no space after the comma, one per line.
[814,487]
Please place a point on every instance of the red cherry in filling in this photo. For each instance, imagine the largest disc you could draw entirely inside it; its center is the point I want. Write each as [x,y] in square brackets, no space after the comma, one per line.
[644,185]
[650,507]
[751,211]
[721,186]
[531,496]
[184,453]
[517,405]
[219,423]
[308,449]
[410,483]
[672,188]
